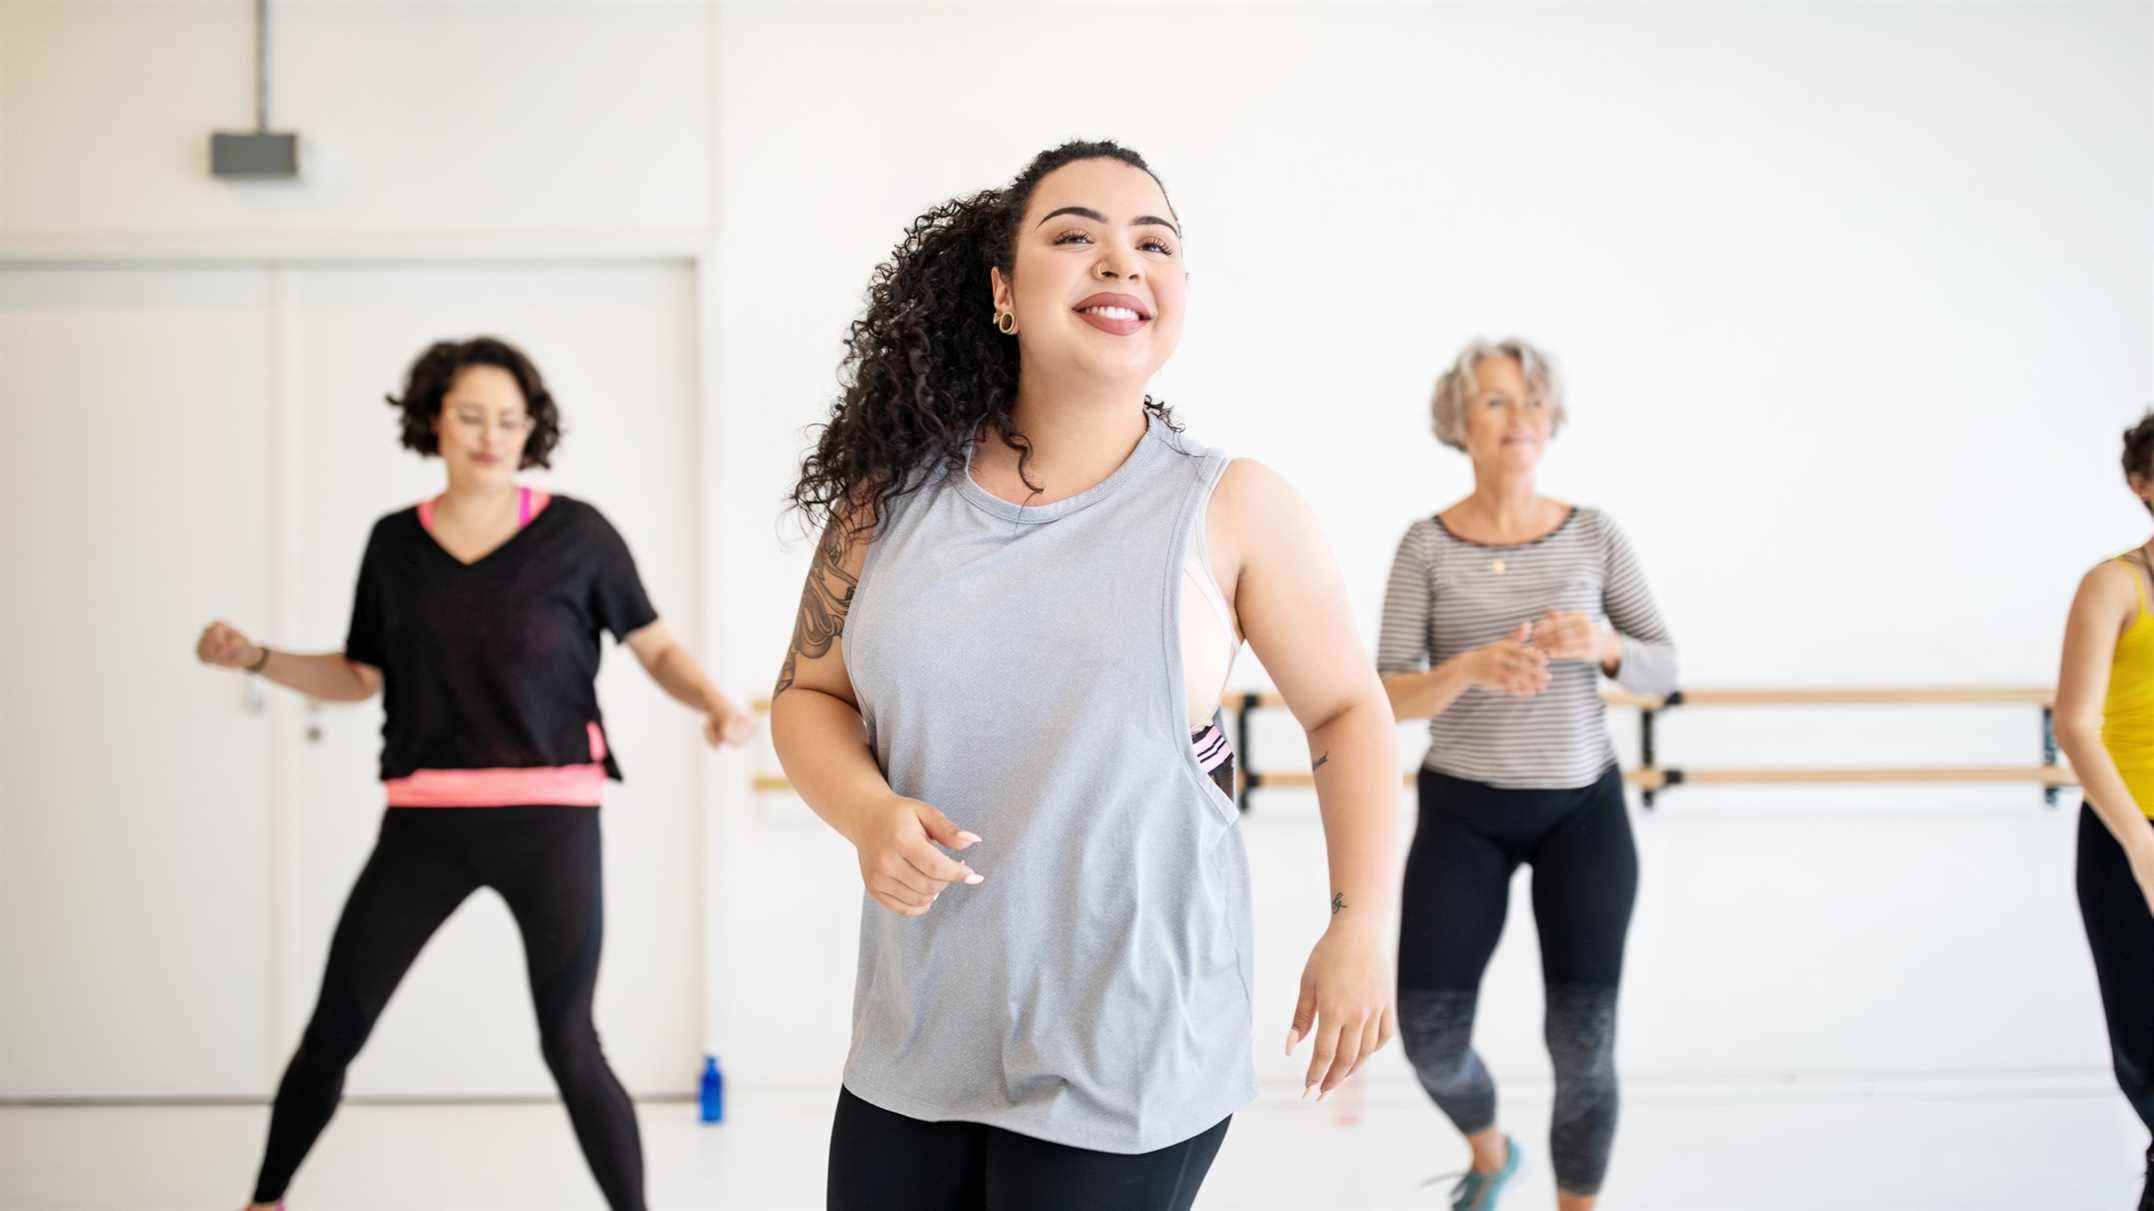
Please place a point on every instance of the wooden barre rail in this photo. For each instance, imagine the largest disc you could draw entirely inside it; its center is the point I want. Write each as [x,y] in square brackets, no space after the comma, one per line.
[1845,696]
[1652,778]
[1659,779]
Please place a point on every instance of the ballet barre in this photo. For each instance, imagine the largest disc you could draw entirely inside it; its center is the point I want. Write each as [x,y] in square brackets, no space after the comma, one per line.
[1652,779]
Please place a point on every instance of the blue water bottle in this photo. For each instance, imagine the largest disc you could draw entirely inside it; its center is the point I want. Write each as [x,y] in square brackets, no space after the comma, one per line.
[712,1093]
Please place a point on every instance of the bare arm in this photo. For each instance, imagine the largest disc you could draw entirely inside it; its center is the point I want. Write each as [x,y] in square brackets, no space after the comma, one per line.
[682,678]
[1293,606]
[2106,601]
[1428,692]
[822,744]
[1512,665]
[814,718]
[328,676]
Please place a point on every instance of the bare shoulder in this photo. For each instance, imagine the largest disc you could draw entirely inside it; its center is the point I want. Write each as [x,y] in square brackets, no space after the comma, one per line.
[1250,492]
[834,574]
[2108,597]
[848,531]
[1257,520]
[845,541]
[1233,518]
[2110,582]
[815,658]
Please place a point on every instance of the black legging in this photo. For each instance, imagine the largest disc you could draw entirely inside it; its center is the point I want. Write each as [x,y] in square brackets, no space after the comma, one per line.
[2120,932]
[1470,840]
[883,1161]
[545,863]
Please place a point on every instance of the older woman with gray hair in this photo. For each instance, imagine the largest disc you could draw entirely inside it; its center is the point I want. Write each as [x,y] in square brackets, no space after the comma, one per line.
[1502,614]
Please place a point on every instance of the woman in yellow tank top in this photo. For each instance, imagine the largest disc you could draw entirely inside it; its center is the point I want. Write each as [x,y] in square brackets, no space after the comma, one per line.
[2105,724]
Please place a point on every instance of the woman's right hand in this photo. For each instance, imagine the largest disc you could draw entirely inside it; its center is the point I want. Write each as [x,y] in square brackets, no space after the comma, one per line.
[899,864]
[223,646]
[1512,665]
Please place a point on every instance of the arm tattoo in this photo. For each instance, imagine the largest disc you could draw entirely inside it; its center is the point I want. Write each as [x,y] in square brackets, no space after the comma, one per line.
[1338,901]
[823,604]
[1320,763]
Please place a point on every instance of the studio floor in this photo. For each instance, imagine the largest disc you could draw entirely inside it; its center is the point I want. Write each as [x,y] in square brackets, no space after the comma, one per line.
[2033,1145]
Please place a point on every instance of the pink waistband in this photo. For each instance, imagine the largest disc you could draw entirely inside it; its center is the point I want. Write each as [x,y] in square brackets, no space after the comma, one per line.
[558,785]
[555,785]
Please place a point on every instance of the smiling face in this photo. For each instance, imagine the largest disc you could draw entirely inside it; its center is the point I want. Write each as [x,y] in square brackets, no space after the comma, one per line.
[1507,423]
[1097,283]
[483,426]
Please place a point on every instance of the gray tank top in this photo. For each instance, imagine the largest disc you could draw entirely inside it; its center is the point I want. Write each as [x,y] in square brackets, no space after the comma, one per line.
[1020,669]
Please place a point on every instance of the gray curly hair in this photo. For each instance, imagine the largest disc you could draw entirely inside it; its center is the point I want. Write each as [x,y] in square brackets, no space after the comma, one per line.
[1447,410]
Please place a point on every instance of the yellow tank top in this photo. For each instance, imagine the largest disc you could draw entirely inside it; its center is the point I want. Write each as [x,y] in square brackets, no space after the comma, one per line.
[2128,709]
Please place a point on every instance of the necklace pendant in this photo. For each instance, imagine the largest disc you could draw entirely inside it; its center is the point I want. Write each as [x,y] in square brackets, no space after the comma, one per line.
[1496,567]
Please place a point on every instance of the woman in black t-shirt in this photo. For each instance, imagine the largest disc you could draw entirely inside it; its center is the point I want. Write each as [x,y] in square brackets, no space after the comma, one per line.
[477,617]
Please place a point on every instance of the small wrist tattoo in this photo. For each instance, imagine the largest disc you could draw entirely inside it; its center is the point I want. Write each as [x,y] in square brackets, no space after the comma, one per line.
[1338,901]
[1319,764]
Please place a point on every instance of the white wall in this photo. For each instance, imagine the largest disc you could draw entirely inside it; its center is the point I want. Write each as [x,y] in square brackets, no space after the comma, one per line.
[415,120]
[1853,300]
[112,770]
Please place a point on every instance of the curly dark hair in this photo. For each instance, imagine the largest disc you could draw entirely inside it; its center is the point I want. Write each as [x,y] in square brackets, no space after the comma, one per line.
[924,365]
[2139,452]
[429,379]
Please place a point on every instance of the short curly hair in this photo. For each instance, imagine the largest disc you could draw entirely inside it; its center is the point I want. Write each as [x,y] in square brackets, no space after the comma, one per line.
[1447,408]
[435,370]
[2139,453]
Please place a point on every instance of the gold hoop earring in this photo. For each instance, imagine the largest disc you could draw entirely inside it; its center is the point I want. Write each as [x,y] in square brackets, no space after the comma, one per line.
[1006,322]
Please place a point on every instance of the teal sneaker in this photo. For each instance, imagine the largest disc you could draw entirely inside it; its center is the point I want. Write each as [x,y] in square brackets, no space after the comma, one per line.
[1479,1191]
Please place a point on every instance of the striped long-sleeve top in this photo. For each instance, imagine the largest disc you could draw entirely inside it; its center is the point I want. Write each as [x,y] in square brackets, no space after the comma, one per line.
[1448,595]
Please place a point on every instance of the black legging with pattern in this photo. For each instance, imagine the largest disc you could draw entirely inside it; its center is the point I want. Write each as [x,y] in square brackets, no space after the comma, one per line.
[1470,840]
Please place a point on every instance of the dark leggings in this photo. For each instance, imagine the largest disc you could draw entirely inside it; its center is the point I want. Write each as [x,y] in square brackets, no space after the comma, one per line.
[2120,932]
[881,1161]
[545,863]
[1470,840]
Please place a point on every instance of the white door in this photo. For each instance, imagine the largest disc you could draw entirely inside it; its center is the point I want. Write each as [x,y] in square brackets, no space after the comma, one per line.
[617,347]
[135,429]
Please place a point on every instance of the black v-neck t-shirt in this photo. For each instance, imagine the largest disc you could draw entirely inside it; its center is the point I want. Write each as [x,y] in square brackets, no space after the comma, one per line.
[492,664]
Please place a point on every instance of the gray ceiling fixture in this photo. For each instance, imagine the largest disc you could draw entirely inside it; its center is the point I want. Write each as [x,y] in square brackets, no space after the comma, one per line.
[261,153]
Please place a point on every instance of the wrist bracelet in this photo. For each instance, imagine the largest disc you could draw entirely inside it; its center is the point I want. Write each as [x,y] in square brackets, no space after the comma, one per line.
[259,662]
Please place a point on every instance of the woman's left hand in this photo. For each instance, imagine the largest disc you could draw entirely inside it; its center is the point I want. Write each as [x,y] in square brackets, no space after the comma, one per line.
[1573,636]
[1346,1002]
[728,726]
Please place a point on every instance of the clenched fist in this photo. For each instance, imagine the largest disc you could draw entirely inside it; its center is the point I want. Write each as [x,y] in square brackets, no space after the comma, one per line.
[223,646]
[728,726]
